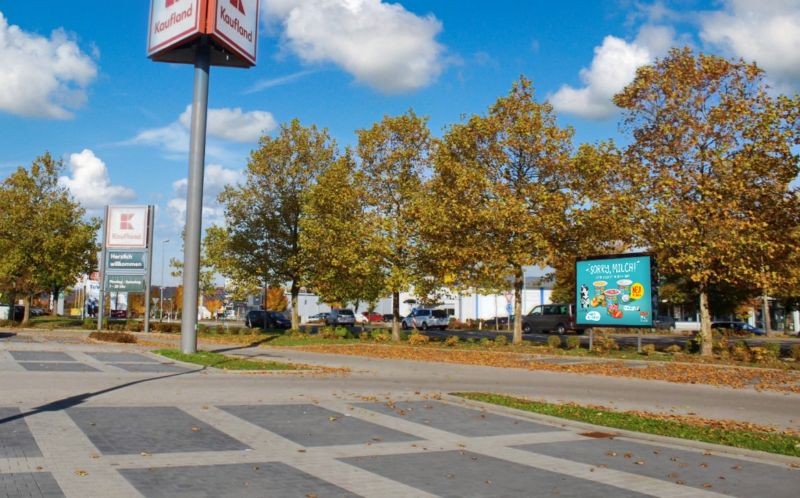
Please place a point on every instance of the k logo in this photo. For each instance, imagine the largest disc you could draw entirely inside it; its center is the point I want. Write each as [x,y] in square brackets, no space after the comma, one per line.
[125,219]
[169,3]
[239,4]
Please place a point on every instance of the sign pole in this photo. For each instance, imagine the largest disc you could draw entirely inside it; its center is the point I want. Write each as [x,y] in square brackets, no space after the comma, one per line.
[194,198]
[149,276]
[102,268]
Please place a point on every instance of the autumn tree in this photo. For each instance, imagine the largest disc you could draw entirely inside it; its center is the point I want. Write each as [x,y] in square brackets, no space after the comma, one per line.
[394,155]
[262,216]
[717,151]
[340,237]
[45,241]
[498,195]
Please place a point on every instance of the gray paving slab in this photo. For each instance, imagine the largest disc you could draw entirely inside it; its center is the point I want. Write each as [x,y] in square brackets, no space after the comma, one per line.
[256,480]
[16,440]
[29,484]
[150,367]
[462,473]
[152,429]
[122,358]
[456,419]
[54,366]
[311,425]
[5,337]
[708,472]
[41,356]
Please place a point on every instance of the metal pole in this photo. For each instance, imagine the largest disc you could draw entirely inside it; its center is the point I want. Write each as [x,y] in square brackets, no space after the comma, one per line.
[161,297]
[194,198]
[151,214]
[102,268]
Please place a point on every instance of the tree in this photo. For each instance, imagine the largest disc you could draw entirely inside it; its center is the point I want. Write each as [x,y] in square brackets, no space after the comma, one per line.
[716,151]
[340,238]
[44,239]
[262,217]
[498,195]
[393,155]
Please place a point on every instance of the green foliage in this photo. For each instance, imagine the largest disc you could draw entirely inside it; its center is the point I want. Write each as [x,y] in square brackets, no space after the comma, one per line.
[500,340]
[380,335]
[451,341]
[416,339]
[794,352]
[225,362]
[554,341]
[573,342]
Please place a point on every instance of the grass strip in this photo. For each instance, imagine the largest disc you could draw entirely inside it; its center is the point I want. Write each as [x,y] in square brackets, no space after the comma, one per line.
[726,433]
[217,360]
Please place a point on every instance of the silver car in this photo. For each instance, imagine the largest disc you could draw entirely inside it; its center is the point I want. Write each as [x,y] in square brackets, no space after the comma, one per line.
[340,317]
[426,319]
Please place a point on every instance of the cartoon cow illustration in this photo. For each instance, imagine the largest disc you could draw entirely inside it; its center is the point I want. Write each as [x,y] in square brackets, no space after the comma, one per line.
[584,296]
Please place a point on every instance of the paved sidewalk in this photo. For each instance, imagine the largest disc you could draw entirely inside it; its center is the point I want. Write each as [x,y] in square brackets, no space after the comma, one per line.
[89,420]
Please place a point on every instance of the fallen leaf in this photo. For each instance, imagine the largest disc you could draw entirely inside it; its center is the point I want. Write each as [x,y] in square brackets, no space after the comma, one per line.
[81,473]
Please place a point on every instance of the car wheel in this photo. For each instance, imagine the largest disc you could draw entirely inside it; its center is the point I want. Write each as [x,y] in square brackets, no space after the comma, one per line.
[424,326]
[404,325]
[561,329]
[526,328]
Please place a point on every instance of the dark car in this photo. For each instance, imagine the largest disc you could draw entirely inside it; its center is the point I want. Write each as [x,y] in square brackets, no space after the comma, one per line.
[498,321]
[557,317]
[388,317]
[267,319]
[664,322]
[738,328]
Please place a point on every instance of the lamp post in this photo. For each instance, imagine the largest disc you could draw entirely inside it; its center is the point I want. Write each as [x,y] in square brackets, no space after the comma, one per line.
[161,299]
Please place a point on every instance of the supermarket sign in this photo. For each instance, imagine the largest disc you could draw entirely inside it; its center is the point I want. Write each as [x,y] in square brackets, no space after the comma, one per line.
[231,25]
[615,291]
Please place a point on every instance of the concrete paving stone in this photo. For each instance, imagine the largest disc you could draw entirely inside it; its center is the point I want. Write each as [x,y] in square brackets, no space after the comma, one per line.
[122,358]
[462,473]
[256,480]
[52,366]
[29,484]
[134,430]
[6,337]
[16,440]
[311,425]
[458,420]
[150,367]
[707,472]
[41,356]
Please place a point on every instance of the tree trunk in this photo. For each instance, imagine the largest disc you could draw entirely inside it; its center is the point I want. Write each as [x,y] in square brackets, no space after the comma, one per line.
[54,309]
[519,282]
[766,320]
[396,316]
[295,312]
[27,315]
[706,340]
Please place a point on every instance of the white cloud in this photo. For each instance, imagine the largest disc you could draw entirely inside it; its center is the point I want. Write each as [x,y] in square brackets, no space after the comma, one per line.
[613,67]
[381,44]
[216,178]
[42,77]
[90,184]
[767,32]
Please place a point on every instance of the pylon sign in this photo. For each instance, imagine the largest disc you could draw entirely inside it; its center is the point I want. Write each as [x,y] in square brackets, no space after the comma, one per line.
[231,25]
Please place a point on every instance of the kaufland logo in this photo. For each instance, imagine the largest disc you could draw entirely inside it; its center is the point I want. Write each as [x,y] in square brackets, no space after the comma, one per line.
[175,17]
[234,22]
[239,4]
[126,219]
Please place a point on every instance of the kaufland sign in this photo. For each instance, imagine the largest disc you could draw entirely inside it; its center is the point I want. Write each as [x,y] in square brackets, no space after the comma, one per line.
[231,25]
[126,227]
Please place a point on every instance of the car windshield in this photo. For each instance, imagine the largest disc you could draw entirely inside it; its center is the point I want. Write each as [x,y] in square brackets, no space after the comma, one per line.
[346,312]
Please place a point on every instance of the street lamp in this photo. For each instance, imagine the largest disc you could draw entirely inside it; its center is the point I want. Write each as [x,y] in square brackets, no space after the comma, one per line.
[161,299]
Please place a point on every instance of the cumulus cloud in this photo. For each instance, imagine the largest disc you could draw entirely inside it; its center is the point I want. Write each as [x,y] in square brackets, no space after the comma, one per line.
[767,32]
[216,178]
[90,184]
[381,44]
[42,77]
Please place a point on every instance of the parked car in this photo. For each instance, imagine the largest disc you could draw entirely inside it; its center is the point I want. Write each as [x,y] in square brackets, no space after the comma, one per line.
[319,317]
[739,328]
[267,319]
[34,311]
[360,318]
[388,317]
[664,322]
[557,317]
[498,321]
[373,317]
[425,319]
[341,316]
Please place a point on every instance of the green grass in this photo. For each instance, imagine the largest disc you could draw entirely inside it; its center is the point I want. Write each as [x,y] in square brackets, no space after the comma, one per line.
[222,361]
[300,340]
[772,442]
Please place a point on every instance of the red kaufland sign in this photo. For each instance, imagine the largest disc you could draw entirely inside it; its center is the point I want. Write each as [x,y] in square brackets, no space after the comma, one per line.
[232,26]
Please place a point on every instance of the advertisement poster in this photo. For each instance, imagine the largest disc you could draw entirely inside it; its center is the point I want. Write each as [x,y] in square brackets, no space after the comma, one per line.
[615,291]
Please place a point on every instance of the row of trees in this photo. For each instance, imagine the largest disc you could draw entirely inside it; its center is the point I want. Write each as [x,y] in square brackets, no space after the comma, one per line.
[705,184]
[45,240]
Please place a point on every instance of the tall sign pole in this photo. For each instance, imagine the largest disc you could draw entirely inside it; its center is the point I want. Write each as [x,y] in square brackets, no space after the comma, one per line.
[204,33]
[151,212]
[102,268]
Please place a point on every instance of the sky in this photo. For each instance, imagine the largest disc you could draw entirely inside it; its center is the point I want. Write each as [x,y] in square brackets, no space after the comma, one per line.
[75,79]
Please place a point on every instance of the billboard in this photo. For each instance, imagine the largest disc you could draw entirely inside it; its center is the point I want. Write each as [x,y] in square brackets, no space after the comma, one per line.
[126,227]
[172,22]
[615,291]
[234,23]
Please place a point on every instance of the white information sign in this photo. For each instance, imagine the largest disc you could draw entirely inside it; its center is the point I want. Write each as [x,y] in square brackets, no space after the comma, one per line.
[235,23]
[171,22]
[126,227]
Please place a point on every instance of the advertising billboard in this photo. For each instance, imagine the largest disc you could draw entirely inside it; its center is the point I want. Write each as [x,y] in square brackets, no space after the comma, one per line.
[171,23]
[126,227]
[615,291]
[234,23]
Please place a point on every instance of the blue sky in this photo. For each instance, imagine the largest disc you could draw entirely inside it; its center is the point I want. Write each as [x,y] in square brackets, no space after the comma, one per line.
[75,80]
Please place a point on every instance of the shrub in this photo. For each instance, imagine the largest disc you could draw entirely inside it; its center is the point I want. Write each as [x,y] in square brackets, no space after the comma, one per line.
[451,341]
[120,337]
[740,351]
[484,341]
[554,341]
[404,335]
[673,349]
[773,349]
[89,324]
[363,336]
[219,330]
[604,344]
[416,339]
[381,335]
[649,349]
[795,352]
[134,326]
[501,340]
[573,342]
[327,332]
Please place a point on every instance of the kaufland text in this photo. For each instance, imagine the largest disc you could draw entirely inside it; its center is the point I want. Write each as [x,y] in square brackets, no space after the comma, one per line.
[234,23]
[174,18]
